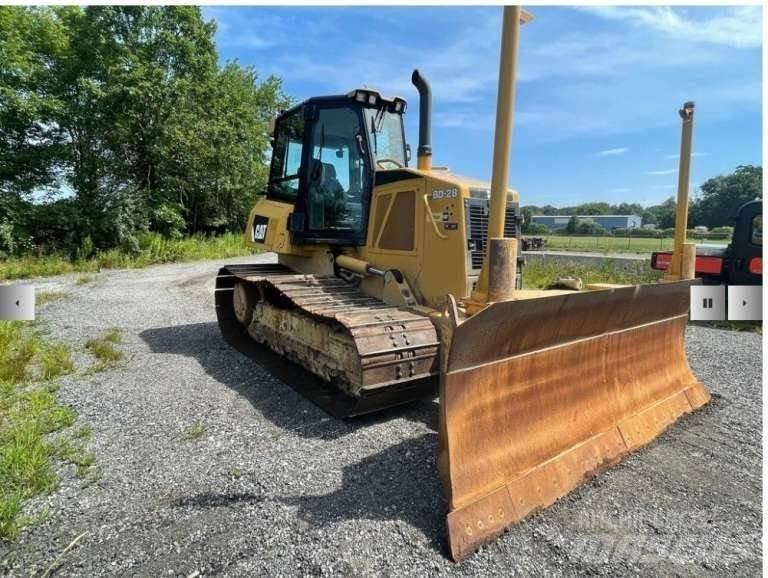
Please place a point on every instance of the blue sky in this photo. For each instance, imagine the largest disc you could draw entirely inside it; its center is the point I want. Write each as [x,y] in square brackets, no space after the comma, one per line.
[598,87]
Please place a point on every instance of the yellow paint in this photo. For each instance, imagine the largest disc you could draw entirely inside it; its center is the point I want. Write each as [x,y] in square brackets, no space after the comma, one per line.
[435,267]
[502,144]
[676,270]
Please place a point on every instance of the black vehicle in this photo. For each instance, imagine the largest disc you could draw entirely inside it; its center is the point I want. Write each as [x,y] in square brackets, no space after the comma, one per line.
[740,263]
[533,243]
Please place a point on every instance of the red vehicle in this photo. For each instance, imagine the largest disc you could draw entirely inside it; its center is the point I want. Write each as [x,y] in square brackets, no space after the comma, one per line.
[740,263]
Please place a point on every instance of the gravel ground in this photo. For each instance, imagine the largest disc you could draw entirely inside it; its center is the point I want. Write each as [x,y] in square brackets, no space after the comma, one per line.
[276,487]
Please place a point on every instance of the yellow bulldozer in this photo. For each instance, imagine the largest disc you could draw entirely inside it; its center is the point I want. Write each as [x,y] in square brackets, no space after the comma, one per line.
[396,283]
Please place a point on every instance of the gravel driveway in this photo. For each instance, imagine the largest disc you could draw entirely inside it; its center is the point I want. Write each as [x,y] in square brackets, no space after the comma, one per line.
[274,486]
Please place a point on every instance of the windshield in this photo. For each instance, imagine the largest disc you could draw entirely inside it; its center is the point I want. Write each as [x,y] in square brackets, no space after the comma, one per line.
[385,130]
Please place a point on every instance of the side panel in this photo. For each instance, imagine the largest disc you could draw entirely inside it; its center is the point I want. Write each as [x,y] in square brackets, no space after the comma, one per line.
[269,221]
[436,264]
[392,232]
[444,241]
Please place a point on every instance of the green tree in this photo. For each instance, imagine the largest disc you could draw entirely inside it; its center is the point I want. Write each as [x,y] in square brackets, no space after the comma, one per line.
[572,225]
[589,228]
[527,213]
[32,147]
[218,148]
[129,108]
[593,209]
[663,215]
[537,229]
[31,144]
[723,195]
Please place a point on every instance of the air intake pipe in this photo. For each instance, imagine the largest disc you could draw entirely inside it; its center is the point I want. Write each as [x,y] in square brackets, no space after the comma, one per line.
[425,121]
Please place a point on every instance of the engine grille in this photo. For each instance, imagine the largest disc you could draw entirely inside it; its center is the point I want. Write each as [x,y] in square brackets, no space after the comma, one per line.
[476,211]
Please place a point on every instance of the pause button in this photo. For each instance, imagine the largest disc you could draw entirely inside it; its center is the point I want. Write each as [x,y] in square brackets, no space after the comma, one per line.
[708,303]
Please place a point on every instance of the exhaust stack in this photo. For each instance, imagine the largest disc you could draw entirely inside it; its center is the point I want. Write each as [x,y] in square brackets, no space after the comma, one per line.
[424,161]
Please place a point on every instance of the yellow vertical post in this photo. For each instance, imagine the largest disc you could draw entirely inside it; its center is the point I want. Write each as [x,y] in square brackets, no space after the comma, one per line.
[503,137]
[676,270]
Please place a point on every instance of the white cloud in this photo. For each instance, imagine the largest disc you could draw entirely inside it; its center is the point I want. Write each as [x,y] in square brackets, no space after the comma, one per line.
[461,68]
[608,78]
[612,152]
[739,27]
[663,172]
[249,40]
[677,156]
[464,120]
[619,191]
[620,77]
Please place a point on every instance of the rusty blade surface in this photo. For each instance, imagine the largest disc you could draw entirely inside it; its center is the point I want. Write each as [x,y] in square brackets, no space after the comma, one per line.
[540,393]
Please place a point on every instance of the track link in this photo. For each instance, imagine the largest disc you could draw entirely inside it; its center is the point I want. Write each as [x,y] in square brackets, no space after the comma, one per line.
[348,352]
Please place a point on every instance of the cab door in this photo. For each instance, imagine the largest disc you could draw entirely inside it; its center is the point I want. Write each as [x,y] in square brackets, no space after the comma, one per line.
[333,199]
[746,255]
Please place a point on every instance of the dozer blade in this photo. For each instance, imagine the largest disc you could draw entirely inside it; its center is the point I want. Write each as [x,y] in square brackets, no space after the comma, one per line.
[537,394]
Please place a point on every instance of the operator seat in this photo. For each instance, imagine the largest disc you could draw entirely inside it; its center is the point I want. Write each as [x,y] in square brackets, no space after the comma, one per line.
[326,197]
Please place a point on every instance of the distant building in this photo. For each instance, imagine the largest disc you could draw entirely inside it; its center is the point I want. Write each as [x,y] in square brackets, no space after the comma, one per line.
[607,222]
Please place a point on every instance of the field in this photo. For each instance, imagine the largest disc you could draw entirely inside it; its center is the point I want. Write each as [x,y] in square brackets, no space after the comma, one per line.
[153,249]
[615,244]
[538,274]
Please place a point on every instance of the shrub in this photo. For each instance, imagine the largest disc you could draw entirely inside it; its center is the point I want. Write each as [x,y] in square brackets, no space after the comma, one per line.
[535,229]
[168,221]
[6,239]
[725,231]
[86,249]
[634,232]
[589,228]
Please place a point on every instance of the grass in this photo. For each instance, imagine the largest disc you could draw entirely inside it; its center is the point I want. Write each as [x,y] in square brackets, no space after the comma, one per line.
[539,274]
[43,297]
[615,244]
[195,432]
[85,279]
[748,326]
[28,414]
[153,249]
[103,347]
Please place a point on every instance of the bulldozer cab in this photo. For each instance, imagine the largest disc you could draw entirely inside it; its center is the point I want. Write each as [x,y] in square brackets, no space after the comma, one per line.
[325,153]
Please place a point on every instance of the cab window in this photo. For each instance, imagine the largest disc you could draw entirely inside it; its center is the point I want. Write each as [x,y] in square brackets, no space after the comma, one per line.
[286,156]
[337,172]
[387,138]
[757,230]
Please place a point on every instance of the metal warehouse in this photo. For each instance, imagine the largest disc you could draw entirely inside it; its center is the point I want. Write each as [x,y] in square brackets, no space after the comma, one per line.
[606,221]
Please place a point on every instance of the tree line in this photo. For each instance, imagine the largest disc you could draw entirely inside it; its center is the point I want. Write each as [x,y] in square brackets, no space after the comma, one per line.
[117,120]
[716,203]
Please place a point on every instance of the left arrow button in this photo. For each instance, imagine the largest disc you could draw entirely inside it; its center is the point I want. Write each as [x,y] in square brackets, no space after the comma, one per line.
[17,302]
